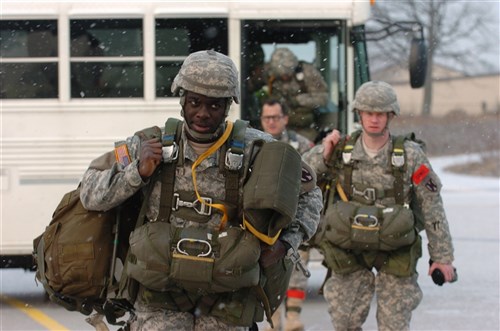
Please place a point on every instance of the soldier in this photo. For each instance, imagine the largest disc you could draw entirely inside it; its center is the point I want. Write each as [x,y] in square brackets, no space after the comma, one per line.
[200,256]
[387,193]
[274,120]
[301,86]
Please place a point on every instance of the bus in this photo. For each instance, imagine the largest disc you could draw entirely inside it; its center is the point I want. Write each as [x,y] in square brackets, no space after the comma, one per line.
[77,76]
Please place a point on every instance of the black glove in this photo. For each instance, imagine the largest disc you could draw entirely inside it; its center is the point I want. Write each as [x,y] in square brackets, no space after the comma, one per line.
[270,255]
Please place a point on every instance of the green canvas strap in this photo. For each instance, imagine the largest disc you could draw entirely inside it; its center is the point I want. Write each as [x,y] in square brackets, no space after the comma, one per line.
[170,142]
[233,166]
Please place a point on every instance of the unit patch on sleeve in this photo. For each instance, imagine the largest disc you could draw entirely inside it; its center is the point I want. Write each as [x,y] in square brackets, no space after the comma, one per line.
[121,154]
[420,174]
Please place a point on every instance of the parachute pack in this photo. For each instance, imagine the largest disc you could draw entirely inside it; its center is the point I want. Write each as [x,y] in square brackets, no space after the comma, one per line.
[76,256]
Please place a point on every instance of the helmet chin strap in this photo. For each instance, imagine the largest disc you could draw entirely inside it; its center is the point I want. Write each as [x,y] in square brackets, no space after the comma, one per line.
[204,137]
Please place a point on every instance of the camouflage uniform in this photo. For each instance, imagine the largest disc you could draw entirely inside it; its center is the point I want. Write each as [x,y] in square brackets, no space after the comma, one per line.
[304,93]
[297,141]
[105,189]
[349,293]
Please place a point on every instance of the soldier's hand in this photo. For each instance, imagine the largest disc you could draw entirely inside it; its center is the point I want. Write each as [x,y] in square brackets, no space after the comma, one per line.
[150,157]
[272,254]
[329,143]
[447,270]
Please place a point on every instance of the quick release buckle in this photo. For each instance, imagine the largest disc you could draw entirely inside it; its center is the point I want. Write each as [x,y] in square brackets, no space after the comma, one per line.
[188,241]
[369,193]
[170,153]
[204,208]
[234,161]
[365,220]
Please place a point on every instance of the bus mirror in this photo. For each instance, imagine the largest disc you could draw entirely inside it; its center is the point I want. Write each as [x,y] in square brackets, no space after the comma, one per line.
[418,62]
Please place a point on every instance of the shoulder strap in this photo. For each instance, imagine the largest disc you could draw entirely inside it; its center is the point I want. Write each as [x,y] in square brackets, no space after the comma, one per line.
[398,163]
[171,156]
[347,161]
[233,163]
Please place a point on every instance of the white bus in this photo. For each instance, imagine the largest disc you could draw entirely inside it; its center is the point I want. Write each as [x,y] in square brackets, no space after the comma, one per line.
[77,76]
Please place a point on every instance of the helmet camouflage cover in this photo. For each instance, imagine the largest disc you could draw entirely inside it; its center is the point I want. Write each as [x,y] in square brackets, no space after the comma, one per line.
[208,73]
[283,62]
[376,96]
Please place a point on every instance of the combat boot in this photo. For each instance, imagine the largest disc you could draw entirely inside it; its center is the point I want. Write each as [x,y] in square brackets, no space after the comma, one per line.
[292,320]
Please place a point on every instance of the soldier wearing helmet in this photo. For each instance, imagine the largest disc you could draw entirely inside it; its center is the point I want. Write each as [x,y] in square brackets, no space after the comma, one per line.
[370,251]
[301,86]
[199,255]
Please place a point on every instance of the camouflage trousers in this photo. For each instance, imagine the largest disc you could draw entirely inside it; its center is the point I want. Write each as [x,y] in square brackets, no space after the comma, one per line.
[161,319]
[349,297]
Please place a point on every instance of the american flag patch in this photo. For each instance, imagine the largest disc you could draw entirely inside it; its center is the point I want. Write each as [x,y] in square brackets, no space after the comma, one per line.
[121,154]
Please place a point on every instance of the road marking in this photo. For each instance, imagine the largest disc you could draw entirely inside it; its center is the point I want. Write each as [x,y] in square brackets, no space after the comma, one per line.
[35,314]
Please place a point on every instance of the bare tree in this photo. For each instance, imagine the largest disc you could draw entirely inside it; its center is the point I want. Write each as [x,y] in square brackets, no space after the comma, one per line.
[459,35]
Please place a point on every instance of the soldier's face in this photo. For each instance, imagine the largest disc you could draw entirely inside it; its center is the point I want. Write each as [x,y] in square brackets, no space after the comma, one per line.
[204,114]
[373,122]
[272,119]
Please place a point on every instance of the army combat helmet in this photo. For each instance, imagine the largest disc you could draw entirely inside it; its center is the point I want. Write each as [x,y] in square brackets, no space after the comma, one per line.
[283,62]
[376,96]
[208,73]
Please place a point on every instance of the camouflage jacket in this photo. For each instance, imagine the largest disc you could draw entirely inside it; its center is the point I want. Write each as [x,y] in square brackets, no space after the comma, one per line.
[421,188]
[297,141]
[105,189]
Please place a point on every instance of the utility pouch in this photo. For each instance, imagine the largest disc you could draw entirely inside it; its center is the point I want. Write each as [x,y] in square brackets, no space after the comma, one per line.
[350,226]
[403,262]
[192,258]
[341,261]
[150,255]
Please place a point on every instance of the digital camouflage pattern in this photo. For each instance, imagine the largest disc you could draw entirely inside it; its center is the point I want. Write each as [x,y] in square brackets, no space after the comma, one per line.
[208,73]
[376,96]
[297,141]
[304,91]
[103,190]
[422,191]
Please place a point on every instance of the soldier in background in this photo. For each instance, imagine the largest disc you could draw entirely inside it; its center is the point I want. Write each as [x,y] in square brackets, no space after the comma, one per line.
[385,194]
[301,86]
[274,119]
[206,207]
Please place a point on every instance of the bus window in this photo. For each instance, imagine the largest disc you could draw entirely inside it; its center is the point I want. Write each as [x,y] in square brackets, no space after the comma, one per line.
[316,42]
[29,59]
[175,39]
[106,58]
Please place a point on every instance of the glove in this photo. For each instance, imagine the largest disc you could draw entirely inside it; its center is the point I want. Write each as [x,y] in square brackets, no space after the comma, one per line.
[272,254]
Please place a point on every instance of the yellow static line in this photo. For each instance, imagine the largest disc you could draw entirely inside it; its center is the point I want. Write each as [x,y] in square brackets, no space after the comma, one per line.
[35,314]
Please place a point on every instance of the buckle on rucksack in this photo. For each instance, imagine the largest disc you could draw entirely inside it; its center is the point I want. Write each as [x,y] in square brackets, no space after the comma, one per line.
[170,153]
[369,194]
[204,208]
[234,161]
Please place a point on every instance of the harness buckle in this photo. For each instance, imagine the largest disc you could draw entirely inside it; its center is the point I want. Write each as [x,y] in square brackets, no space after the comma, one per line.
[234,161]
[365,220]
[397,160]
[369,193]
[199,207]
[192,241]
[170,153]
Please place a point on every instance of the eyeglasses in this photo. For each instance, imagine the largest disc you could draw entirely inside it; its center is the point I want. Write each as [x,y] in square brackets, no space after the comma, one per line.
[274,118]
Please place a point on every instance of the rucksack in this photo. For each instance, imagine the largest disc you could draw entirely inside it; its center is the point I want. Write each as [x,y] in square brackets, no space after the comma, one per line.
[75,257]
